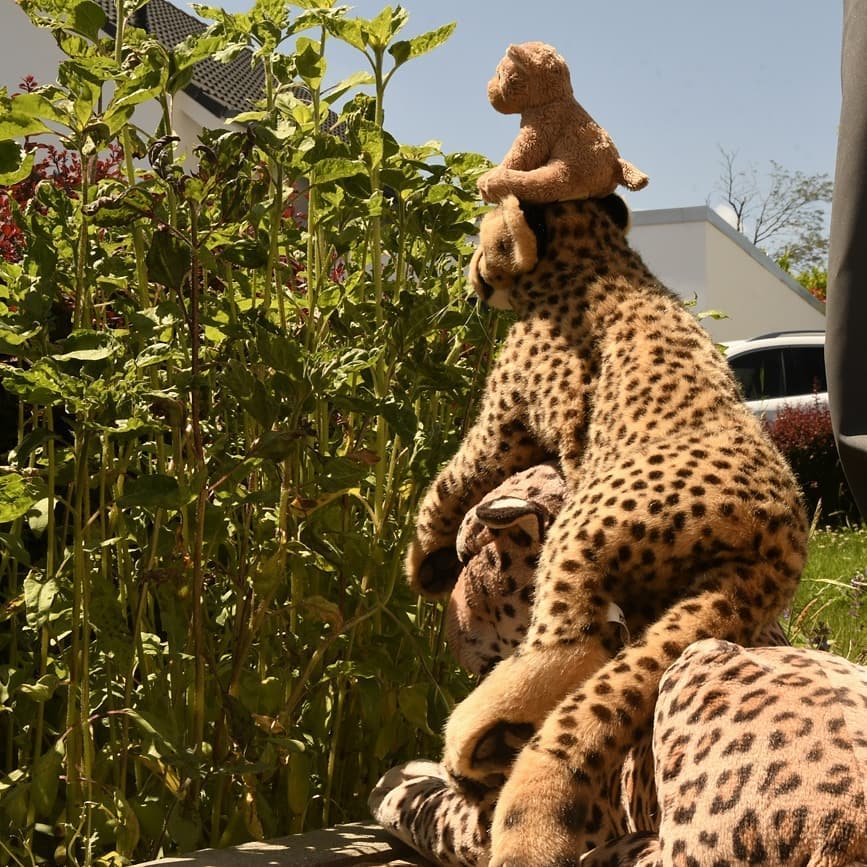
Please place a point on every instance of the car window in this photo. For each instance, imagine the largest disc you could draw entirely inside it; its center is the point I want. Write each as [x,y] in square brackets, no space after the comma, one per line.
[805,370]
[760,373]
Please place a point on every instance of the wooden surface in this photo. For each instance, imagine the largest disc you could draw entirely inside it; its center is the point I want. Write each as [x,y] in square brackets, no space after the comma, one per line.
[341,846]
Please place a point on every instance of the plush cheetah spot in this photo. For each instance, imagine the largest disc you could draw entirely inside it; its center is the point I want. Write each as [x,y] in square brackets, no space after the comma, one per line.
[500,744]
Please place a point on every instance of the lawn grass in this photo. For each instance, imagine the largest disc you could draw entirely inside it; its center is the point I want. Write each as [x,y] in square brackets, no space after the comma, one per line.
[830,607]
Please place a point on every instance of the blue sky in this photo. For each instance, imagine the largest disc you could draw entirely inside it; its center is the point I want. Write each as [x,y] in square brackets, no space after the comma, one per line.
[672,81]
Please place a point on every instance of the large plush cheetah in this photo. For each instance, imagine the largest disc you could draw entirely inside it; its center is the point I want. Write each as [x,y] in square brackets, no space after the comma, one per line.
[679,511]
[759,757]
[488,614]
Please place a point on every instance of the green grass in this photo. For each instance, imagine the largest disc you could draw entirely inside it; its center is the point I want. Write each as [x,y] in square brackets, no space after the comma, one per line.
[830,607]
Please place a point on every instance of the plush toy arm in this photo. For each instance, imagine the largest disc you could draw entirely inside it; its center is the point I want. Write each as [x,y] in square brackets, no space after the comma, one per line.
[498,446]
[528,151]
[548,183]
[415,803]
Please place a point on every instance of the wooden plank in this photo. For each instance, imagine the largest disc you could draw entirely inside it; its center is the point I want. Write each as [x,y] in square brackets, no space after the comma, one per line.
[341,846]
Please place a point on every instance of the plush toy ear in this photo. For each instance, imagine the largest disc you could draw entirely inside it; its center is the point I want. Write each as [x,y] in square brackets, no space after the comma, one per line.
[504,512]
[518,54]
[535,55]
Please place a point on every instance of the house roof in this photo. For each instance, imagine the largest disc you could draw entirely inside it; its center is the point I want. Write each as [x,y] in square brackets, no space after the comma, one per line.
[224,89]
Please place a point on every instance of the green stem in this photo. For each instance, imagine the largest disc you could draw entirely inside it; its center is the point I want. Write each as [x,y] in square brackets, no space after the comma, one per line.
[79,755]
[380,379]
[202,498]
[336,732]
[83,308]
[316,262]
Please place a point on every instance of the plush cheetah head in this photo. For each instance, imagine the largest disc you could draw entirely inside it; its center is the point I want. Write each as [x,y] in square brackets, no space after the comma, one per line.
[530,74]
[498,543]
[508,247]
[513,238]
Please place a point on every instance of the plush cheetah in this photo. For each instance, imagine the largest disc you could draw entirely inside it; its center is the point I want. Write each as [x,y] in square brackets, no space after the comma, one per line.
[679,511]
[759,757]
[498,545]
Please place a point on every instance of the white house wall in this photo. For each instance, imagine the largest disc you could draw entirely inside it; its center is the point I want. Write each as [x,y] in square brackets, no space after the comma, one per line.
[27,50]
[675,252]
[758,298]
[696,254]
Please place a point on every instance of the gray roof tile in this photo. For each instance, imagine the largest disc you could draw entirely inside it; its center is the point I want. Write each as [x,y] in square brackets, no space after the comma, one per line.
[224,89]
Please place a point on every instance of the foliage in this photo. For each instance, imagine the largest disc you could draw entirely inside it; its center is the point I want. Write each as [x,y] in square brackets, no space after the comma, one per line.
[814,279]
[787,217]
[224,389]
[805,436]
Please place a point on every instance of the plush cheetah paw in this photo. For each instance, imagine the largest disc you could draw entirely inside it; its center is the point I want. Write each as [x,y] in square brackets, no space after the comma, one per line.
[493,723]
[541,816]
[481,740]
[399,791]
[416,804]
[432,570]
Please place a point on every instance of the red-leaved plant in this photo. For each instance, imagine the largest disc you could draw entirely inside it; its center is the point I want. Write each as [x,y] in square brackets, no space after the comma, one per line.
[57,165]
[805,436]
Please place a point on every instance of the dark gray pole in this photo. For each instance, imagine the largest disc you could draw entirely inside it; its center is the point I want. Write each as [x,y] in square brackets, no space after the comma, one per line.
[846,329]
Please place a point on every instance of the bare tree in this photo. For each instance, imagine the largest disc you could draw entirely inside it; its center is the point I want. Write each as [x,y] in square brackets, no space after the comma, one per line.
[786,216]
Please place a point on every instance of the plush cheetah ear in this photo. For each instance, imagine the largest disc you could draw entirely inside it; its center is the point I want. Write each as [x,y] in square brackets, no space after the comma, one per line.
[504,512]
[508,247]
[618,211]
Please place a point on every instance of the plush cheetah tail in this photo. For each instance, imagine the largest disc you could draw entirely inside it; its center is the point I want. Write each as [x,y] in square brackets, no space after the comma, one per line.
[633,178]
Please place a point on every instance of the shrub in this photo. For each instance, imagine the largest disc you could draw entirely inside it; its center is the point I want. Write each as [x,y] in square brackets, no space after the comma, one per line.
[215,465]
[805,436]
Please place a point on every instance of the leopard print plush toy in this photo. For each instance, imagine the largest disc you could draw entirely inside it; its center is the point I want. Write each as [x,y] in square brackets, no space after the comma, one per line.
[678,510]
[489,611]
[759,757]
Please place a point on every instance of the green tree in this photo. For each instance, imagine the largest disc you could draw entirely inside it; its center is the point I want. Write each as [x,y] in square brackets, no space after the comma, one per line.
[814,278]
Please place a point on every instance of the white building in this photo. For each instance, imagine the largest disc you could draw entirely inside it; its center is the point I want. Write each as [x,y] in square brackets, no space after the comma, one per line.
[696,253]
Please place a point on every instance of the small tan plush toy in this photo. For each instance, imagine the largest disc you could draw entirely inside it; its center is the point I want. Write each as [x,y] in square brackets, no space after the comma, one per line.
[561,152]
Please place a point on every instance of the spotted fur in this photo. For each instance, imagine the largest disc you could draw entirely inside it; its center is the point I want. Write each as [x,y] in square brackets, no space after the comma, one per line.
[488,615]
[760,758]
[679,509]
